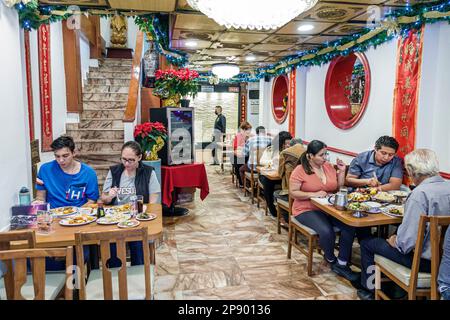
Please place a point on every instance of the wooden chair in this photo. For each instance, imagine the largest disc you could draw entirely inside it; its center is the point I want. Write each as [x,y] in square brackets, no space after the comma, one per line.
[252,176]
[260,197]
[409,279]
[283,205]
[39,285]
[438,228]
[310,235]
[139,277]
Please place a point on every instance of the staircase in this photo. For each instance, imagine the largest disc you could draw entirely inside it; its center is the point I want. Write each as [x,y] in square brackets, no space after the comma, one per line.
[99,135]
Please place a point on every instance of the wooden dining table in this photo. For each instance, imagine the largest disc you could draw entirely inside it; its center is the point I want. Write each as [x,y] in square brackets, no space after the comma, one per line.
[63,236]
[346,216]
[270,174]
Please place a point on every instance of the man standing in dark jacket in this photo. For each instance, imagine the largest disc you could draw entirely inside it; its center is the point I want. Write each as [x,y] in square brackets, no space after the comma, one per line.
[220,126]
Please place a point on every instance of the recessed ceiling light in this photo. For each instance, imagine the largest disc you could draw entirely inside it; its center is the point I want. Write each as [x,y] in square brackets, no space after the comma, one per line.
[305,27]
[190,43]
[250,58]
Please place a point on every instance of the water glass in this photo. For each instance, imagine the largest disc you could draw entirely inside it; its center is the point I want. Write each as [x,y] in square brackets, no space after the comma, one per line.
[44,221]
[133,205]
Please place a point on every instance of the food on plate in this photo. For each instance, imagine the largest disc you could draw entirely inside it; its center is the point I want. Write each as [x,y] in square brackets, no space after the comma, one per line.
[384,197]
[399,193]
[124,208]
[145,216]
[396,210]
[357,206]
[358,197]
[79,219]
[128,224]
[113,218]
[369,191]
[63,211]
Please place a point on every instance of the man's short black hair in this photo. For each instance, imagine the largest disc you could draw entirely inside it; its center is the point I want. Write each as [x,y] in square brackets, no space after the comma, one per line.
[260,129]
[63,142]
[386,141]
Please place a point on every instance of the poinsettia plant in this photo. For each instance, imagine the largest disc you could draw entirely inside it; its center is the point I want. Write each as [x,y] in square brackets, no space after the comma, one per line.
[170,83]
[151,136]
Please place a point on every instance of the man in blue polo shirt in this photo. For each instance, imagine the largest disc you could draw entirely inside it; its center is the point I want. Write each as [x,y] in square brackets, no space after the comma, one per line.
[380,168]
[65,181]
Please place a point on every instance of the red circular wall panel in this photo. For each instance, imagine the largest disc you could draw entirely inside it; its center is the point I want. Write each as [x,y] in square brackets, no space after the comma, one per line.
[280,105]
[337,103]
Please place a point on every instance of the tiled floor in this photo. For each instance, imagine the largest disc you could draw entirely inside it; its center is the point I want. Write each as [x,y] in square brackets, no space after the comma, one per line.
[228,249]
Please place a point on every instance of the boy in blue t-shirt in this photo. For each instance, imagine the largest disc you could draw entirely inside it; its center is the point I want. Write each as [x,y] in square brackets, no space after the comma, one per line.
[65,181]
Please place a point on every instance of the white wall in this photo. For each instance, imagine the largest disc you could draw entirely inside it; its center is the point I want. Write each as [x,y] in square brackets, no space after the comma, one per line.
[85,54]
[300,111]
[105,31]
[434,111]
[377,120]
[59,104]
[433,132]
[14,137]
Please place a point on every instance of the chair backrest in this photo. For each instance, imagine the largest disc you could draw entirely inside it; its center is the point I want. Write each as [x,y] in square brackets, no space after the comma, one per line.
[424,219]
[256,153]
[25,235]
[438,227]
[5,244]
[120,237]
[18,269]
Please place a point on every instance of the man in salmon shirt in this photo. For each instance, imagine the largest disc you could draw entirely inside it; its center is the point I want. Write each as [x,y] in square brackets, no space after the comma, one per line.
[315,177]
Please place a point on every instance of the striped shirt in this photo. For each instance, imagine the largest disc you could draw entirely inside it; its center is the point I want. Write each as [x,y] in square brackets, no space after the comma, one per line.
[257,142]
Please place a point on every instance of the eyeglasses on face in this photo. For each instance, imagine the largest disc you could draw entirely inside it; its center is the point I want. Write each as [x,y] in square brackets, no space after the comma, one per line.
[125,160]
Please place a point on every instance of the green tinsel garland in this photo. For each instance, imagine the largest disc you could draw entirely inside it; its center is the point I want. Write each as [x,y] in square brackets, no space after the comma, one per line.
[32,15]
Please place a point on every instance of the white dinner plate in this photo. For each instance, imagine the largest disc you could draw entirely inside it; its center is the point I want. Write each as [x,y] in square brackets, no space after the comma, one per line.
[65,222]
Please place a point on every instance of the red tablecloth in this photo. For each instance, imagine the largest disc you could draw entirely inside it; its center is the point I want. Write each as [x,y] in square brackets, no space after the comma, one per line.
[183,176]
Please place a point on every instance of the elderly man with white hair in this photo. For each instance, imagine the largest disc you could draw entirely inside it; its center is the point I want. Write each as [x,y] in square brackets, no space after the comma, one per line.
[430,197]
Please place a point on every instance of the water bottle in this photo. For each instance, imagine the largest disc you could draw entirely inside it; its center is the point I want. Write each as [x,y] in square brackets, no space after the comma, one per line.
[24,197]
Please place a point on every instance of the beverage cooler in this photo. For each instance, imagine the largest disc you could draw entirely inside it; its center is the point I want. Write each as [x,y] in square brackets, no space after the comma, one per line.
[179,146]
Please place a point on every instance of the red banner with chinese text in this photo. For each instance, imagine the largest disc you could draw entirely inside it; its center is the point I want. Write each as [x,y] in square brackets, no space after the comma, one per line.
[406,92]
[45,86]
[243,102]
[29,84]
[292,100]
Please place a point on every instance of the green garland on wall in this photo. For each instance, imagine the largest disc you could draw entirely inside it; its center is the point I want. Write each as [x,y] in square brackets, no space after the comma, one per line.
[396,24]
[32,15]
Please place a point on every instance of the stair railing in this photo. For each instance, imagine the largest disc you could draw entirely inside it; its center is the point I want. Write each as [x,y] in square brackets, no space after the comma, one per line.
[132,114]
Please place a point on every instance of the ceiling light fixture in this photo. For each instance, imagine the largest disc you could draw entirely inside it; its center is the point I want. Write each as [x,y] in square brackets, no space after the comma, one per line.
[250,58]
[305,27]
[225,70]
[252,14]
[190,43]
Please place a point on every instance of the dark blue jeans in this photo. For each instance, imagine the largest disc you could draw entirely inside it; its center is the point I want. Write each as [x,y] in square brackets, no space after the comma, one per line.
[446,295]
[372,246]
[269,188]
[136,254]
[323,224]
[52,264]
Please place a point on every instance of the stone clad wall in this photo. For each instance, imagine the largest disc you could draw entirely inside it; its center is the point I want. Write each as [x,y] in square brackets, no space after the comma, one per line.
[204,105]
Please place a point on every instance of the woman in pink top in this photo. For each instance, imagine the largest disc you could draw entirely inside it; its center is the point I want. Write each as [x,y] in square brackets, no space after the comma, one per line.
[315,177]
[238,148]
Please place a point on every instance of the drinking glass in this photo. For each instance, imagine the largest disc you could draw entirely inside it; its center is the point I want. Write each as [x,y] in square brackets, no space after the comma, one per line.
[140,204]
[133,205]
[44,221]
